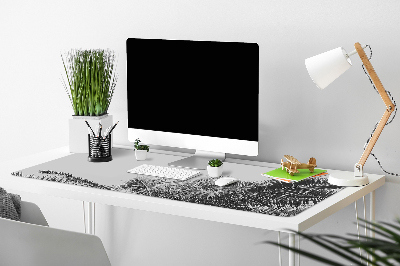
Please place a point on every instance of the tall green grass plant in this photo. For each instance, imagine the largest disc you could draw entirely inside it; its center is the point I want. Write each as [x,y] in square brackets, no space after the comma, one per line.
[91,79]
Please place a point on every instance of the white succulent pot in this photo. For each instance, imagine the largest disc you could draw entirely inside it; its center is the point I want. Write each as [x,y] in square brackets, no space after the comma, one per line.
[214,171]
[78,131]
[141,155]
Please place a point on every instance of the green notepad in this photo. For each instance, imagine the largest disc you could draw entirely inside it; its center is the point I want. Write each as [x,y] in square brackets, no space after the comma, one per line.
[285,176]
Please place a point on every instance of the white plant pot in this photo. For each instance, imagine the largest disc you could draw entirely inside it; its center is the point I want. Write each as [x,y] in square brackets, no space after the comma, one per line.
[214,171]
[78,131]
[140,155]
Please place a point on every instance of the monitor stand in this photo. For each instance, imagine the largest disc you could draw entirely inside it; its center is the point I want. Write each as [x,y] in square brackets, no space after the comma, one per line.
[199,160]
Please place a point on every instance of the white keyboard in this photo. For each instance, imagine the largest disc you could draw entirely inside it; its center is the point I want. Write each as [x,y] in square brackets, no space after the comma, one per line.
[167,172]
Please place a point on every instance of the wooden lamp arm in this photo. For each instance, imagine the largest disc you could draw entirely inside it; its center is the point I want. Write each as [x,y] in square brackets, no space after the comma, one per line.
[371,71]
[389,109]
[374,138]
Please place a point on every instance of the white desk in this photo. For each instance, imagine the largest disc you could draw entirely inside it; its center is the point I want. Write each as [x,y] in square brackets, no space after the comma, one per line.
[298,223]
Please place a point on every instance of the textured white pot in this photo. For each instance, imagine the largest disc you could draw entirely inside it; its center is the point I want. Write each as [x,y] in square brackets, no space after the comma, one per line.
[141,155]
[78,131]
[214,171]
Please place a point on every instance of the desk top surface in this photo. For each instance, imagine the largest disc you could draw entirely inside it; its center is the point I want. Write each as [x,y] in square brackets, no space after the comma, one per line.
[115,173]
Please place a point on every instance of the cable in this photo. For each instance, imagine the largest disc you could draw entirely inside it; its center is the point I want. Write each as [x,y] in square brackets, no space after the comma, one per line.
[387,123]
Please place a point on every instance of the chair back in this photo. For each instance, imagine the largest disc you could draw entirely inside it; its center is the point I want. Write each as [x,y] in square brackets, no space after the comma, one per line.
[23,243]
[32,214]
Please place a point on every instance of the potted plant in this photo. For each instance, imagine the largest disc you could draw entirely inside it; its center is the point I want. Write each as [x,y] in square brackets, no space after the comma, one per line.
[214,168]
[140,150]
[90,83]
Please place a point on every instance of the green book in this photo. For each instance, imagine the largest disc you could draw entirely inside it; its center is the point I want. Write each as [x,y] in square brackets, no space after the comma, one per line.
[285,176]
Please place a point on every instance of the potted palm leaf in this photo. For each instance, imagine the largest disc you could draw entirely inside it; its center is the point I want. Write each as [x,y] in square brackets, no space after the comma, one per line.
[357,250]
[90,83]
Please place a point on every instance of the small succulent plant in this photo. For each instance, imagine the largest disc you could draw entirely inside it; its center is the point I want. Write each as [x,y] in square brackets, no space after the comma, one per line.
[140,147]
[215,163]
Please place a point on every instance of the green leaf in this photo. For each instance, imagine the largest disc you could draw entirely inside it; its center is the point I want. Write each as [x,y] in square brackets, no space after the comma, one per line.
[382,251]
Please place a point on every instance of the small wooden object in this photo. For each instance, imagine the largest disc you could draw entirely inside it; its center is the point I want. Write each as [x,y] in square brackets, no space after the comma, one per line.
[293,164]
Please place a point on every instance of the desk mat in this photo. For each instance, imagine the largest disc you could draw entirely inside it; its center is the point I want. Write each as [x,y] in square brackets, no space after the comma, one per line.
[271,197]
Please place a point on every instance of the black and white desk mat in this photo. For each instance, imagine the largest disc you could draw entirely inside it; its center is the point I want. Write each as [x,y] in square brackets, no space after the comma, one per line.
[270,197]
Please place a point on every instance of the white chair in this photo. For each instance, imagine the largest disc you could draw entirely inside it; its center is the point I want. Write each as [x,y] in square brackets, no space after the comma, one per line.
[24,243]
[32,214]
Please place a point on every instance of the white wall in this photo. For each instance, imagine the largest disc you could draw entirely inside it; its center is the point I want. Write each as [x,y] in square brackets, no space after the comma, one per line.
[295,117]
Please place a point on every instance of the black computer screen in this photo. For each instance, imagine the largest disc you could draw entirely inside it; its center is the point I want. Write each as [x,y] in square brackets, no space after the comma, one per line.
[193,87]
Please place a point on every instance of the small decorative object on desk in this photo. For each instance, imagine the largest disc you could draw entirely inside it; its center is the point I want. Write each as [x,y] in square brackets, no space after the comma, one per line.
[141,150]
[293,164]
[100,144]
[214,168]
[99,148]
[294,171]
[284,176]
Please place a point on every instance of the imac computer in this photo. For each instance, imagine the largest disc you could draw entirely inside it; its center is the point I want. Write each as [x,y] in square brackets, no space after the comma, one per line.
[200,95]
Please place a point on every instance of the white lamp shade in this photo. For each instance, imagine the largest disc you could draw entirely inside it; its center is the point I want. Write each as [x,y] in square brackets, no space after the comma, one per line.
[326,67]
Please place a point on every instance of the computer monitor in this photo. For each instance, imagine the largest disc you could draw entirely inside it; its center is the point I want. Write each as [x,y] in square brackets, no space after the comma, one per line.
[199,95]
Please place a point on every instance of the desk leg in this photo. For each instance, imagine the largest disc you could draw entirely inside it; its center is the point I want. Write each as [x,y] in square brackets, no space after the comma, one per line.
[292,238]
[88,215]
[372,210]
[372,214]
[298,247]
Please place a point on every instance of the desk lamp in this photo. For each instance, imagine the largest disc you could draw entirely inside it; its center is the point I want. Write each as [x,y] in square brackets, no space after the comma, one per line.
[323,70]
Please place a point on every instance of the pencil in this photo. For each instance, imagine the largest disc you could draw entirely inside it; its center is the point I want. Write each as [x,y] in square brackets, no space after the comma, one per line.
[112,129]
[106,132]
[89,127]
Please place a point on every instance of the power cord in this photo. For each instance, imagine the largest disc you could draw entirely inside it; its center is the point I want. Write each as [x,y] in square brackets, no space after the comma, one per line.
[387,123]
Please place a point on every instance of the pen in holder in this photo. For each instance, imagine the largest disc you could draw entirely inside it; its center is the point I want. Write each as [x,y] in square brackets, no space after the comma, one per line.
[99,148]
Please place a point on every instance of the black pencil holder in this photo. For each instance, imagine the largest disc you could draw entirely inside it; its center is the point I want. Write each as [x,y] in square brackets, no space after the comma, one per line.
[99,149]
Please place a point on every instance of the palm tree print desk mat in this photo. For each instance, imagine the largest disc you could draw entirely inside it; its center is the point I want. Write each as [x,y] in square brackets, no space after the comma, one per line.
[270,197]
